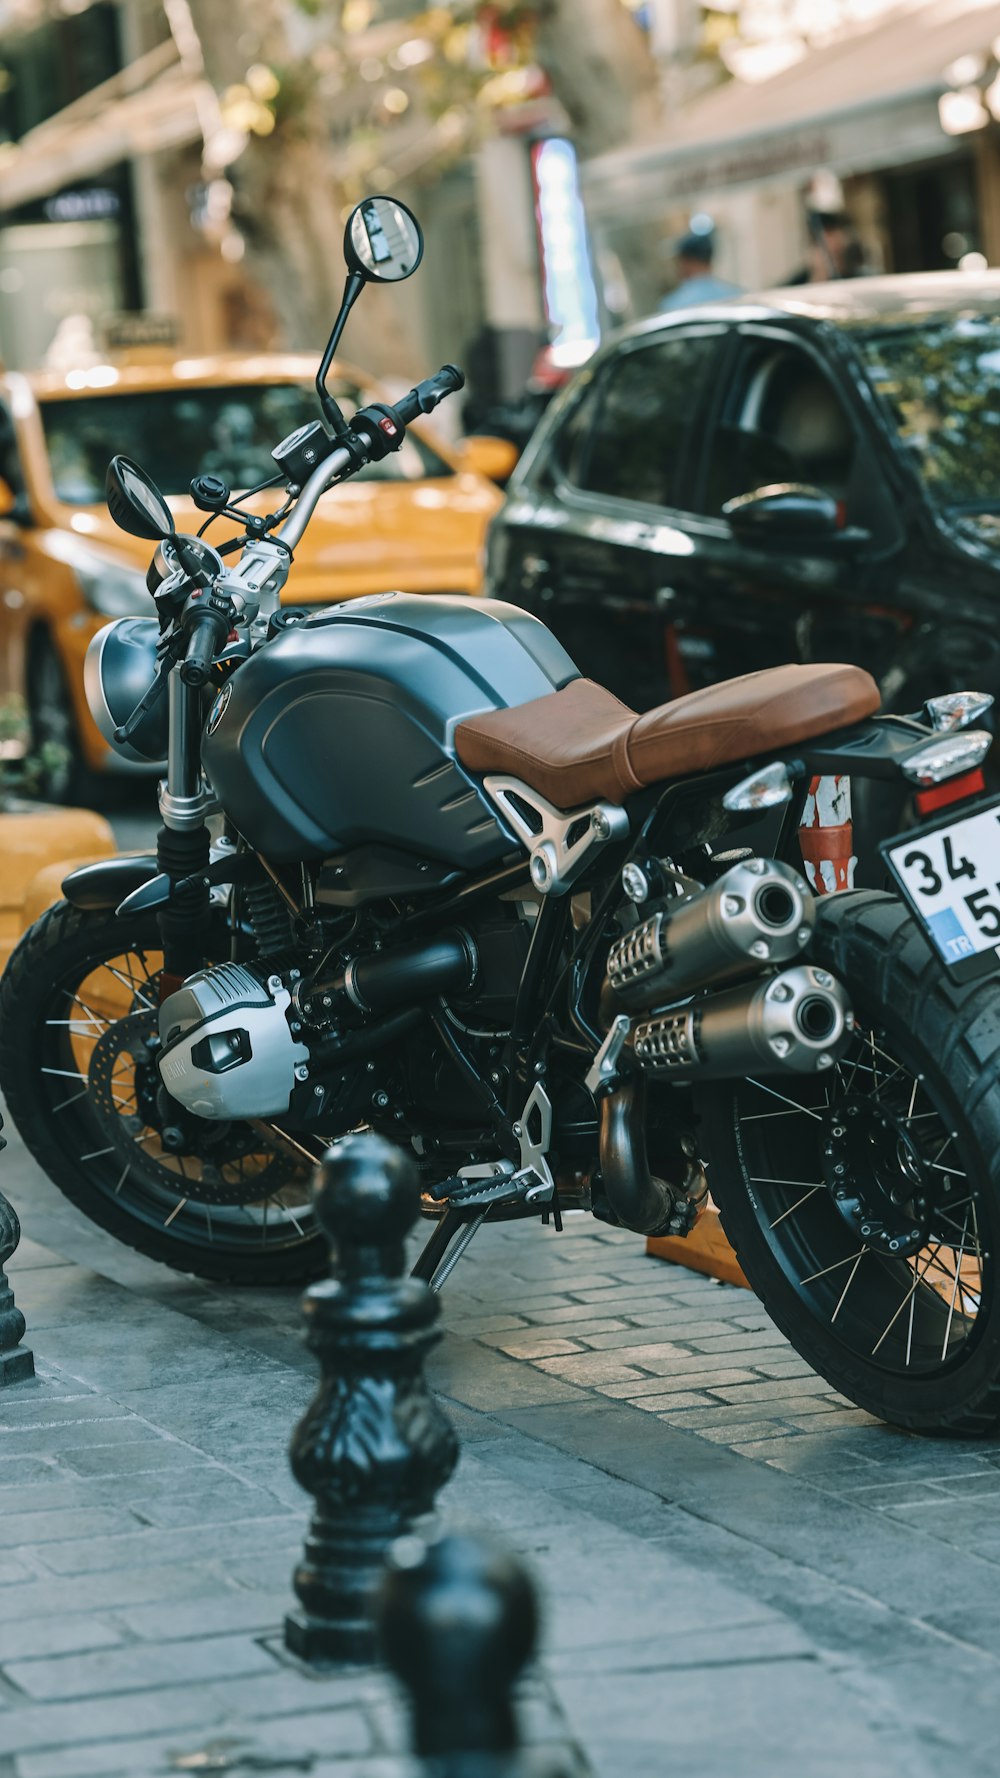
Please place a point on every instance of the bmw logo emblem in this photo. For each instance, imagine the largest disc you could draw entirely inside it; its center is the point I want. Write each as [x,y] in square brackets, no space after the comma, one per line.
[218,709]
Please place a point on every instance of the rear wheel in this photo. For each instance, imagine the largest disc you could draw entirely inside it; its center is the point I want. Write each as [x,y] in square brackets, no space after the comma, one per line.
[78,1006]
[864,1205]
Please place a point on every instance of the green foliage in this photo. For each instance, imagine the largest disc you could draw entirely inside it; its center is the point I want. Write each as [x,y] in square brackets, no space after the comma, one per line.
[940,381]
[23,772]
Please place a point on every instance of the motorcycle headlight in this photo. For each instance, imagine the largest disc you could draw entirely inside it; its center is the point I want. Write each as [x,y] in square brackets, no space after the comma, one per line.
[110,586]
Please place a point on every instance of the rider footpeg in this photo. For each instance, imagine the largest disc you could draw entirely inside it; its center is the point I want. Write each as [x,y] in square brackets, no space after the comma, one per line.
[492,1182]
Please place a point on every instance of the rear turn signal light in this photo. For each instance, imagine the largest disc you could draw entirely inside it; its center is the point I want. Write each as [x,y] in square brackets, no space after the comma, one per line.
[957,709]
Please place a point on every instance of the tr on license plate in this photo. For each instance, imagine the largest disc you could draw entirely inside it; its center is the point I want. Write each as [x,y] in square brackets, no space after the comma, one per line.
[950,875]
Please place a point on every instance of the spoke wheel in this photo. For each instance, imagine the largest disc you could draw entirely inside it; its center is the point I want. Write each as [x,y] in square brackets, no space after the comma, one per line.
[78,1007]
[864,1204]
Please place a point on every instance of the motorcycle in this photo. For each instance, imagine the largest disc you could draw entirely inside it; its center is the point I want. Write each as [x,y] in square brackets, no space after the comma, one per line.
[466,898]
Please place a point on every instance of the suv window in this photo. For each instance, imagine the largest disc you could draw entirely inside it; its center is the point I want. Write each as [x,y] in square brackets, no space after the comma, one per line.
[646,403]
[783,422]
[570,442]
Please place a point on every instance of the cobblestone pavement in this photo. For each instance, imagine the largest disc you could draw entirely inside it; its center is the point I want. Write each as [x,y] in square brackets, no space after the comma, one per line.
[742,1573]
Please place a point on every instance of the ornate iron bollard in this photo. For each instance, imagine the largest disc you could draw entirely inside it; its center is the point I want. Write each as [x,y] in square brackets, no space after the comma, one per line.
[458,1621]
[374,1447]
[16,1362]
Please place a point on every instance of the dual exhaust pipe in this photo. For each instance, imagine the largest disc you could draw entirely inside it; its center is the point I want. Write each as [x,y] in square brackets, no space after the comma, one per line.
[758,914]
[797,1020]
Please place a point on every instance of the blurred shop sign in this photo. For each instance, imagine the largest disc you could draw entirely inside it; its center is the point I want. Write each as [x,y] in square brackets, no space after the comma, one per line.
[127,331]
[92,203]
[568,284]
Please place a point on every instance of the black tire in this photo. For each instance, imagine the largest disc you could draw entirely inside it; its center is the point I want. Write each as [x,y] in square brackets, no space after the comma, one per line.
[922,1084]
[60,771]
[97,1141]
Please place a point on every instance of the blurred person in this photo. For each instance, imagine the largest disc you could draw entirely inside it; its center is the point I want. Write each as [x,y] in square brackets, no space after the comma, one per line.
[834,250]
[696,281]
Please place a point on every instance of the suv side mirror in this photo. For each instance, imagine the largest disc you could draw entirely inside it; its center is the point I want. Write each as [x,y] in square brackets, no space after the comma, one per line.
[785,512]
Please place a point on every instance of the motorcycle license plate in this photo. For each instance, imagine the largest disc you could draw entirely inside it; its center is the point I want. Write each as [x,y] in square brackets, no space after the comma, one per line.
[949,873]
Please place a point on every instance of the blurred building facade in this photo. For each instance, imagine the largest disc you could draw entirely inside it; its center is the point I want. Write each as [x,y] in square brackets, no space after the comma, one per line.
[901,102]
[99,135]
[106,207]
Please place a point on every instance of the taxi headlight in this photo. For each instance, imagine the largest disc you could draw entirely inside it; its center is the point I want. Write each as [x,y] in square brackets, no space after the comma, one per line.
[110,586]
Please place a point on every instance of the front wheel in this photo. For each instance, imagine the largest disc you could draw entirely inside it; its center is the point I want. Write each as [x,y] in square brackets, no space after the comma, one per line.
[78,1008]
[864,1205]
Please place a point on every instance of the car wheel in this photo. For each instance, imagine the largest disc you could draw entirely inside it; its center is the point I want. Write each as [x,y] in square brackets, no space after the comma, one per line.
[60,773]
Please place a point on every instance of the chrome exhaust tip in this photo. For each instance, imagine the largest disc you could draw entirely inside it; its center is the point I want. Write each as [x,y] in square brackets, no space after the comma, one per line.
[797,1022]
[758,914]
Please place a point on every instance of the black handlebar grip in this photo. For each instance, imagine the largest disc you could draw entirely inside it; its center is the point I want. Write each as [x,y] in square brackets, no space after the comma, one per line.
[425,397]
[208,632]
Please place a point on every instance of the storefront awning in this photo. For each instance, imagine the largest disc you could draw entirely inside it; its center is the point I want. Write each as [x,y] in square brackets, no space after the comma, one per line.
[155,104]
[867,102]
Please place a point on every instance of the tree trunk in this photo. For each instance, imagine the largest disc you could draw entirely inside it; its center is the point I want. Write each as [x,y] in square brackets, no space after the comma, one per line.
[289,202]
[601,70]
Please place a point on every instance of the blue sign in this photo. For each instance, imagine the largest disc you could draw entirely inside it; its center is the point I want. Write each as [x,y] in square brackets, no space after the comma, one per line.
[951,939]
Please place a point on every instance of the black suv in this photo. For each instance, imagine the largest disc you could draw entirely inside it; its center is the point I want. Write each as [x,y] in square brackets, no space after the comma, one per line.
[811,474]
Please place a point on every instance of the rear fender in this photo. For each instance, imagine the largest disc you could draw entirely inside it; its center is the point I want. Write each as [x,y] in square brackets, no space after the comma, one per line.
[95,888]
[875,748]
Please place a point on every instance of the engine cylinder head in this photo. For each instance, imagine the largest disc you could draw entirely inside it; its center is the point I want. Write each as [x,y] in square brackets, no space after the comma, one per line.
[759,913]
[797,1022]
[228,1049]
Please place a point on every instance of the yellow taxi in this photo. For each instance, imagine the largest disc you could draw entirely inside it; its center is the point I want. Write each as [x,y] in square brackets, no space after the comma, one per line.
[415,521]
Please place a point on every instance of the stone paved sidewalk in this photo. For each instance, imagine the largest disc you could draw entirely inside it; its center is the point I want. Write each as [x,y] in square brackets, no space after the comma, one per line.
[742,1574]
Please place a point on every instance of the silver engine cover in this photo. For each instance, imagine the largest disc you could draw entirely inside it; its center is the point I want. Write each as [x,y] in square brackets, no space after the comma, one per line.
[228,1051]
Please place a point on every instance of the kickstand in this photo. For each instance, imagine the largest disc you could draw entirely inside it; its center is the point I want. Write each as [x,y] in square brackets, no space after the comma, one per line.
[437,1260]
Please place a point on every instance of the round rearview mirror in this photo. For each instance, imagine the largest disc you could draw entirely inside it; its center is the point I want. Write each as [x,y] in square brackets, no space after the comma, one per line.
[135,503]
[383,241]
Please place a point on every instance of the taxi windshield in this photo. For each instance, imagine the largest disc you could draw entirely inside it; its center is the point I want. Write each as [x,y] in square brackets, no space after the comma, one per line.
[182,432]
[939,381]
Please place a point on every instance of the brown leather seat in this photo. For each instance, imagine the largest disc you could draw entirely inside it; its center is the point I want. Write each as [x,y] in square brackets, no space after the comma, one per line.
[581,743]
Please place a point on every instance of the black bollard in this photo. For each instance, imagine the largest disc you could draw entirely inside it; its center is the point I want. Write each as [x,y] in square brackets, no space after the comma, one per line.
[16,1362]
[458,1621]
[374,1447]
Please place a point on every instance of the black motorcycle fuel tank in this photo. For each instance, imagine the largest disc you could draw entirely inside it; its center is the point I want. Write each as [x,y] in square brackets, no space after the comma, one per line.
[339,732]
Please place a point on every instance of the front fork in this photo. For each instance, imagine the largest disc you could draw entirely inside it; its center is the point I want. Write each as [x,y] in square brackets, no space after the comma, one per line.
[182,843]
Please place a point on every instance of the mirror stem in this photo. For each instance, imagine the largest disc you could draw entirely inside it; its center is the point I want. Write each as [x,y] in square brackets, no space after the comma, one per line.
[352,290]
[191,562]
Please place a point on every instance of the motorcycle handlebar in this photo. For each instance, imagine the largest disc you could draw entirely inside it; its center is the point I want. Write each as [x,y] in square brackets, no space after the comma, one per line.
[426,396]
[421,400]
[207,633]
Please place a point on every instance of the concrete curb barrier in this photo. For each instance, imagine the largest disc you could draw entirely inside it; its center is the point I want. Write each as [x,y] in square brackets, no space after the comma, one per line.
[38,847]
